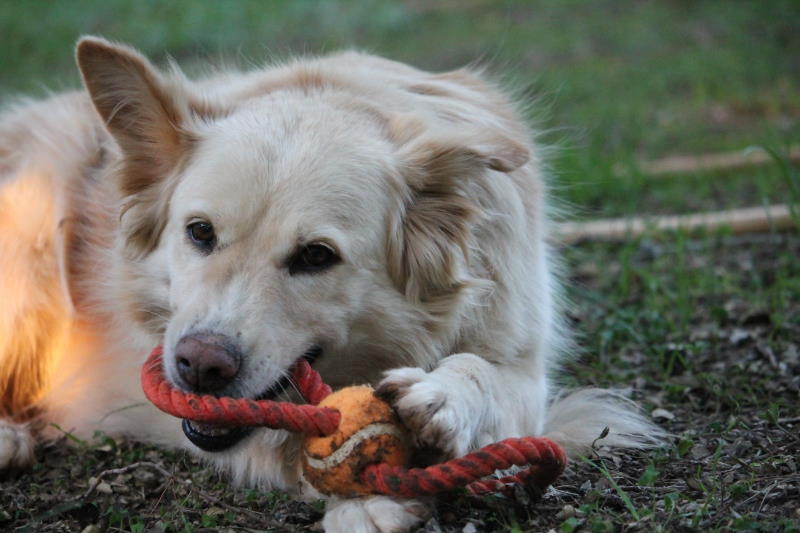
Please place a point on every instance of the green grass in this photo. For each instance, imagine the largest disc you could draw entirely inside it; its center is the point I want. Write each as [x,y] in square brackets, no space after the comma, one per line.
[613,81]
[703,325]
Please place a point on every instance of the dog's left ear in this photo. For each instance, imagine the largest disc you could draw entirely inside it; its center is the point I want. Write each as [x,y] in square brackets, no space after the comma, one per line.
[429,244]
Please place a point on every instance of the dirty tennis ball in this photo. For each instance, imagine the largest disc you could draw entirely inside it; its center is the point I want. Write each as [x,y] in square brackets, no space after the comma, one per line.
[369,433]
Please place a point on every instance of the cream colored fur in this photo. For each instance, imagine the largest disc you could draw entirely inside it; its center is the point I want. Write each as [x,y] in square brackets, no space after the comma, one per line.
[426,184]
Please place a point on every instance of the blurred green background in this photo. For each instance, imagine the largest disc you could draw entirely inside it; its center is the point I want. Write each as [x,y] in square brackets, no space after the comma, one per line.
[611,82]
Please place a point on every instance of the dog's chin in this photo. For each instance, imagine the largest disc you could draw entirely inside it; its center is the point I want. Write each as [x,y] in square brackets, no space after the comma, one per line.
[218,437]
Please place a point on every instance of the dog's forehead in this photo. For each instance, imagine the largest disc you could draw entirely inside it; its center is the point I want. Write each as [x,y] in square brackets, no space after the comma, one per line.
[291,159]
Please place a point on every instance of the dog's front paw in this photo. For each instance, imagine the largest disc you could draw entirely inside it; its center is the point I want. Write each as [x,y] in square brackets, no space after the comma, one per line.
[16,447]
[373,514]
[432,407]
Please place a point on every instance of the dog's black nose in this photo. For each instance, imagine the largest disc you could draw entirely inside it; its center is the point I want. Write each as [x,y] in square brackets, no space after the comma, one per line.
[207,362]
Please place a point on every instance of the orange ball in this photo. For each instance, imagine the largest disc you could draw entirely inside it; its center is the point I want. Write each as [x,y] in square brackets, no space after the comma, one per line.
[368,433]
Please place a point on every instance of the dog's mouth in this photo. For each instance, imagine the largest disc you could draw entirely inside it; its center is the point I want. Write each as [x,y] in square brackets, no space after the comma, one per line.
[211,437]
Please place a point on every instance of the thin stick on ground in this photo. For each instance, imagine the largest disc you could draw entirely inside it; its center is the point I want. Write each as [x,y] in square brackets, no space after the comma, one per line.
[717,162]
[213,500]
[743,220]
[126,469]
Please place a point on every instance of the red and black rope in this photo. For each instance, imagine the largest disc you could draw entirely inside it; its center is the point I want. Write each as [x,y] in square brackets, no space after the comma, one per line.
[298,418]
[544,458]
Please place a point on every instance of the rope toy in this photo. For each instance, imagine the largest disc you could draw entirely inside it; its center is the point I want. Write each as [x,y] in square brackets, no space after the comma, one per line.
[354,443]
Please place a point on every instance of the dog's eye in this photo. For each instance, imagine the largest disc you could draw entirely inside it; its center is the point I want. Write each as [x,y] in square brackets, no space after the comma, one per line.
[202,235]
[312,258]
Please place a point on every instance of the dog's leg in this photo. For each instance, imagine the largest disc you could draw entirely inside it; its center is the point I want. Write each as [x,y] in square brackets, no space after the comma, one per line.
[373,514]
[16,447]
[34,315]
[467,402]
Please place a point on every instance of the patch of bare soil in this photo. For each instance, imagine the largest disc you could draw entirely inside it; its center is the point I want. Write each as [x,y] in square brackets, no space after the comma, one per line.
[726,385]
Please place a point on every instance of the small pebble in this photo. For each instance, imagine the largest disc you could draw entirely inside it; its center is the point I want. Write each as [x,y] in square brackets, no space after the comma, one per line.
[567,511]
[662,413]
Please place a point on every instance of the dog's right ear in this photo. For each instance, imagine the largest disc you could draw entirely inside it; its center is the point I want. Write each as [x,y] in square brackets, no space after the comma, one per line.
[146,117]
[150,116]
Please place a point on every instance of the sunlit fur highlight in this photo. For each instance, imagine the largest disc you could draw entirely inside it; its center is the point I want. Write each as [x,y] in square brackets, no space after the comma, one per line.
[36,318]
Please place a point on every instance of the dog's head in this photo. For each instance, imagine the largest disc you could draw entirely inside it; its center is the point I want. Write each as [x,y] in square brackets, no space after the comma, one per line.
[303,220]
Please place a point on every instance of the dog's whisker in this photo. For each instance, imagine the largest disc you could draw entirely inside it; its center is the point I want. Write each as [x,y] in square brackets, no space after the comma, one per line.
[294,386]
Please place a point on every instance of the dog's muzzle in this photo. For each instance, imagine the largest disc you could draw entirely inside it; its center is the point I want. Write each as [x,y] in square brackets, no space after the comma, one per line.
[216,437]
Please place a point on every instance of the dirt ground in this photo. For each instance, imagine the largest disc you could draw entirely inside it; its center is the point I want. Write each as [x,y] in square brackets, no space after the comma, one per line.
[726,387]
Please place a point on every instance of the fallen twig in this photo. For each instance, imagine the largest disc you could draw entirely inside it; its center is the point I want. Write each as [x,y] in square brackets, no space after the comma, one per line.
[124,470]
[744,220]
[213,500]
[721,161]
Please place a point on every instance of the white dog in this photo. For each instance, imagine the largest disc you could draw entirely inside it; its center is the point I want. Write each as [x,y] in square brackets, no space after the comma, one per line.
[387,223]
